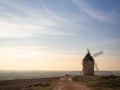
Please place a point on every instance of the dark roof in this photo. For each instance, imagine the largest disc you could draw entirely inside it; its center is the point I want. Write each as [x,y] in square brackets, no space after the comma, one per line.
[88,57]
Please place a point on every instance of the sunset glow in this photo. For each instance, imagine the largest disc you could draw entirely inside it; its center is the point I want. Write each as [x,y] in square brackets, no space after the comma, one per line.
[55,34]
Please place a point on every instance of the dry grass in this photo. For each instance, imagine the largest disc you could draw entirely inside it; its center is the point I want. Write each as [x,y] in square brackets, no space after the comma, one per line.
[101,82]
[28,84]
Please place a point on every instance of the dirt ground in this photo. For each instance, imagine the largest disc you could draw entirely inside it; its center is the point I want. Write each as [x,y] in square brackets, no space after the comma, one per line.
[66,83]
[62,83]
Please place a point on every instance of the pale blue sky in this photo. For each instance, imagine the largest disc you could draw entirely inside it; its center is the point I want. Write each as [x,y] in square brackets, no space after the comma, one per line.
[58,32]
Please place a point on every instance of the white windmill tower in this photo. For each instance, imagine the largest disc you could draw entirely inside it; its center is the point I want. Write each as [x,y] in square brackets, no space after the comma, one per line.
[89,63]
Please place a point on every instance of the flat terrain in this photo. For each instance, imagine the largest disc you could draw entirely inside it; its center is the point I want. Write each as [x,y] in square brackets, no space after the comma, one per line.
[100,82]
[28,84]
[66,83]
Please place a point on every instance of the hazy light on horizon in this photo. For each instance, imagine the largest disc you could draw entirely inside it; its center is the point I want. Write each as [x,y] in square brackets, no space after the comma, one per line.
[45,35]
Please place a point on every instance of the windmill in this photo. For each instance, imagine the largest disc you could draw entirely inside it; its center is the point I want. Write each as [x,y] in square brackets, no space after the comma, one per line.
[89,63]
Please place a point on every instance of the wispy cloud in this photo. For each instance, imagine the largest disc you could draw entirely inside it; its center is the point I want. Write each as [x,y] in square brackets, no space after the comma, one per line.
[112,41]
[20,51]
[97,14]
[1,8]
[25,21]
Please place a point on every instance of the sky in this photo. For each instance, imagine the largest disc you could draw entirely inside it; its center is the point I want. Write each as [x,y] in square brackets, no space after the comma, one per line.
[55,34]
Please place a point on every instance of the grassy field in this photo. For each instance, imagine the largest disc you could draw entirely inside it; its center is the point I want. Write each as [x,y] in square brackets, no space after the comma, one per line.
[43,86]
[94,82]
[29,84]
[101,82]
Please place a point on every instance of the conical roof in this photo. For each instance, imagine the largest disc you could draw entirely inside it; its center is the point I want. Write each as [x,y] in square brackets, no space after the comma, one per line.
[88,57]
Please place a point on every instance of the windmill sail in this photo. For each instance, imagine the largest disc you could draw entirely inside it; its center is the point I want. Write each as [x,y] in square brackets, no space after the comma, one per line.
[98,53]
[96,66]
[89,63]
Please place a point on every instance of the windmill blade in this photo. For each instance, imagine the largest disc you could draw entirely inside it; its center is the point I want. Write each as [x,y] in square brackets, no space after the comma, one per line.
[81,69]
[96,66]
[98,53]
[88,50]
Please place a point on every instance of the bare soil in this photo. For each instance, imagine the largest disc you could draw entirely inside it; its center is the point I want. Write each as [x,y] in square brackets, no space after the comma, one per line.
[66,83]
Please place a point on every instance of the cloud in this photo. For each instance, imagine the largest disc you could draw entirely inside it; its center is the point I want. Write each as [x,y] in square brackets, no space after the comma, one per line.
[112,41]
[24,21]
[100,15]
[20,51]
[18,20]
[1,8]
[9,52]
